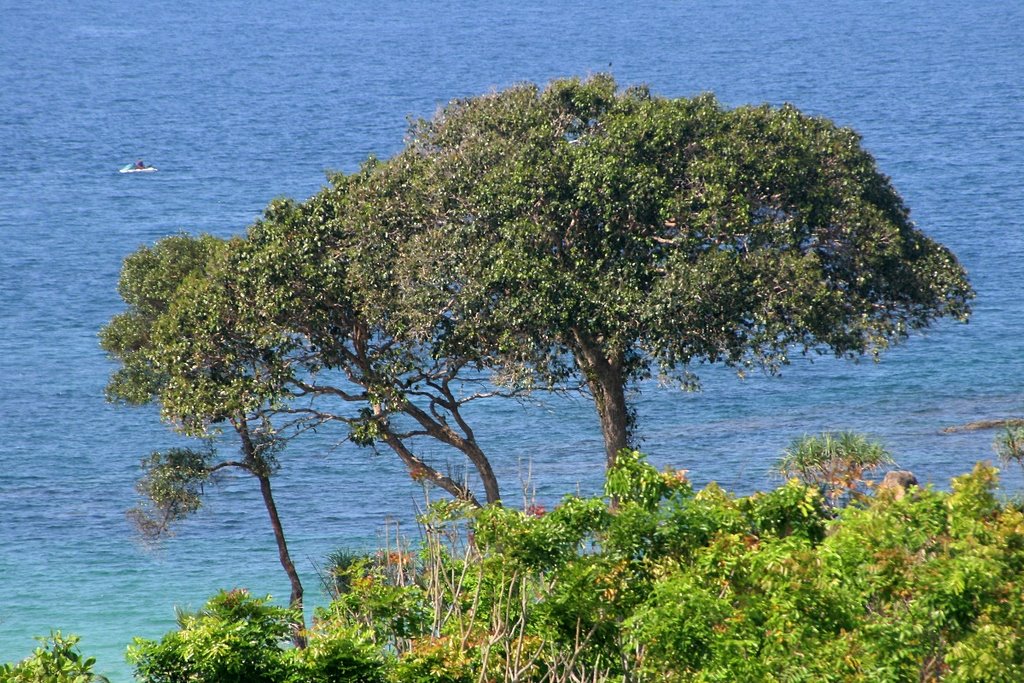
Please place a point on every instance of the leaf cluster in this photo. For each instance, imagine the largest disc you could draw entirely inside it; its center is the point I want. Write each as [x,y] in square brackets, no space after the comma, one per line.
[701,586]
[57,660]
[661,231]
[836,462]
[237,638]
[171,487]
[692,586]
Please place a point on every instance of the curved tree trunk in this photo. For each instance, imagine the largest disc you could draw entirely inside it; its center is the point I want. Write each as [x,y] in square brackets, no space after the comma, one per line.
[295,601]
[419,469]
[259,469]
[437,427]
[484,469]
[467,444]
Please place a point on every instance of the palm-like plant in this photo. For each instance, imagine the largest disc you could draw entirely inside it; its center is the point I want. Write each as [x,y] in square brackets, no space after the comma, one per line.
[835,461]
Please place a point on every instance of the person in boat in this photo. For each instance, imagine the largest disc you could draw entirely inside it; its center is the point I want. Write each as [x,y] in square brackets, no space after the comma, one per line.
[140,164]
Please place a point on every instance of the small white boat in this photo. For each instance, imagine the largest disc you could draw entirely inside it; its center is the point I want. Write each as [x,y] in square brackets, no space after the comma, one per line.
[132,168]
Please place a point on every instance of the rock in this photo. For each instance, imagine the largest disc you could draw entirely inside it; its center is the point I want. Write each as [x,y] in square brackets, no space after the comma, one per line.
[897,482]
[984,424]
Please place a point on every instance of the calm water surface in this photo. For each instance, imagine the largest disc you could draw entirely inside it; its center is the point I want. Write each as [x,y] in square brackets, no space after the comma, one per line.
[237,103]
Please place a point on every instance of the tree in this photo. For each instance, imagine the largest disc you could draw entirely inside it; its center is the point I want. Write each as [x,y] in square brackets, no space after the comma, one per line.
[570,238]
[200,338]
[837,463]
[282,328]
[1009,445]
[164,286]
[274,335]
[591,238]
[328,327]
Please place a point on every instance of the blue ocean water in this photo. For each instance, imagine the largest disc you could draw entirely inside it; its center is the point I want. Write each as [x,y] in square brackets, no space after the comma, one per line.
[239,102]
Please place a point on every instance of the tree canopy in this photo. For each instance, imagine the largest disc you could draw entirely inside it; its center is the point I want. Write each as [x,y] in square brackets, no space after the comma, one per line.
[571,237]
[585,234]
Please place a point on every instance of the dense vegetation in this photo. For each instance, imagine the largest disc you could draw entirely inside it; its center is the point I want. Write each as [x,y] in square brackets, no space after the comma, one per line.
[674,584]
[576,237]
[572,238]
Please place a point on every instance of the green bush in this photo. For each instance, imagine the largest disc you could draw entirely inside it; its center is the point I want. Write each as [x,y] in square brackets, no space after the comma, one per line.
[836,462]
[668,585]
[338,653]
[56,660]
[235,638]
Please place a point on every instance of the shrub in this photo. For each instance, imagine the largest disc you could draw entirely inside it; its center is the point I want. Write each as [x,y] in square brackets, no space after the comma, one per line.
[56,660]
[1010,445]
[678,586]
[338,653]
[836,462]
[235,638]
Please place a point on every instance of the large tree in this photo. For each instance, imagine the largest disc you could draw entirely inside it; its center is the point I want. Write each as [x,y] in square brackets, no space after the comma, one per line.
[165,286]
[315,294]
[575,237]
[593,237]
[277,333]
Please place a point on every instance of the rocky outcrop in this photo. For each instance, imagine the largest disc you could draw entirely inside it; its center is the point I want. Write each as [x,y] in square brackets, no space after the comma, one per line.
[985,424]
[897,482]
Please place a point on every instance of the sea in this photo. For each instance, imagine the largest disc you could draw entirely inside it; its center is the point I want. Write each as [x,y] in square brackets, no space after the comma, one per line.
[237,103]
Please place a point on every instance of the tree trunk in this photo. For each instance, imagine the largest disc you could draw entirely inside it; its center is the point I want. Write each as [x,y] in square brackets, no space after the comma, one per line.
[484,469]
[610,396]
[467,444]
[258,468]
[610,400]
[419,469]
[295,602]
[607,382]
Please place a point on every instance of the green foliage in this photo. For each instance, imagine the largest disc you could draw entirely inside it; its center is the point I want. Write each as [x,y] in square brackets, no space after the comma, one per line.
[337,653]
[235,638]
[56,660]
[573,236]
[172,487]
[579,232]
[686,586]
[634,481]
[537,540]
[565,237]
[991,654]
[794,509]
[837,463]
[150,281]
[374,596]
[436,660]
[190,342]
[278,328]
[692,586]
[1010,445]
[342,565]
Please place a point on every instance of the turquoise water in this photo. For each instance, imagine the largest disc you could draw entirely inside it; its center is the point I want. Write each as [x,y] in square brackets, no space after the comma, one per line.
[237,103]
